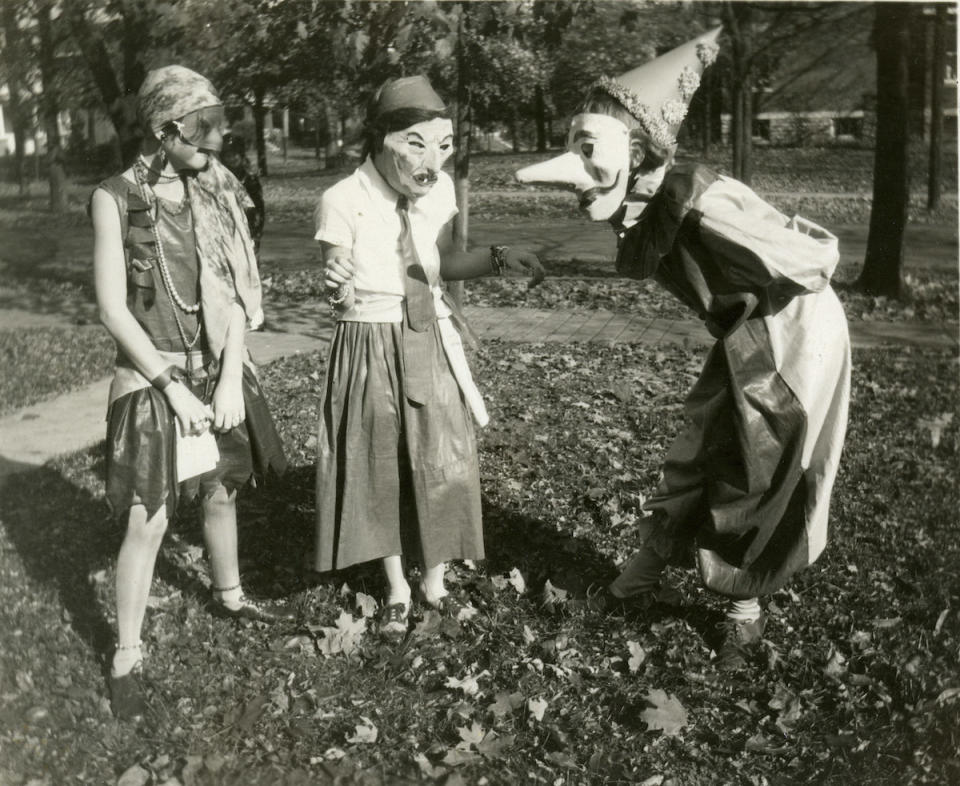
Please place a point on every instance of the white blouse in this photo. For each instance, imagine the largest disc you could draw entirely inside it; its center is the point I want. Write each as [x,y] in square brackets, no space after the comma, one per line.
[360,213]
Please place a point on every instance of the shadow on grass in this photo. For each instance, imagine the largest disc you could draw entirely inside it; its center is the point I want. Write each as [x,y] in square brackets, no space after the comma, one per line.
[64,536]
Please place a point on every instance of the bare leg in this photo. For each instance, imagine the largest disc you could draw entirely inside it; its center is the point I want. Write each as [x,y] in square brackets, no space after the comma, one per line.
[220,536]
[135,563]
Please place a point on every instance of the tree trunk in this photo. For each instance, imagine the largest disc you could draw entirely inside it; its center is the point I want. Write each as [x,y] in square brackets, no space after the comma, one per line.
[259,111]
[120,107]
[919,65]
[736,127]
[738,23]
[540,114]
[746,161]
[707,112]
[937,73]
[14,60]
[882,272]
[514,132]
[461,156]
[51,110]
[331,119]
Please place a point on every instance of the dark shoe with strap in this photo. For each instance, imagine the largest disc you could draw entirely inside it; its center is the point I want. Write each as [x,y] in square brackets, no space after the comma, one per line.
[739,637]
[127,701]
[393,620]
[453,607]
[603,601]
[255,610]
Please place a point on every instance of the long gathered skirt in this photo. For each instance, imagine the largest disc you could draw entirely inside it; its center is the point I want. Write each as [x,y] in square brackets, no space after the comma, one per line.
[393,477]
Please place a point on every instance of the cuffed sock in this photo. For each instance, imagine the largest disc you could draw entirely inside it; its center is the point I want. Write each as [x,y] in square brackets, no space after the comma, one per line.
[744,610]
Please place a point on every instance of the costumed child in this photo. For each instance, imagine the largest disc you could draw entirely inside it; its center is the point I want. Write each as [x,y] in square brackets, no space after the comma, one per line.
[177,286]
[747,483]
[233,155]
[397,470]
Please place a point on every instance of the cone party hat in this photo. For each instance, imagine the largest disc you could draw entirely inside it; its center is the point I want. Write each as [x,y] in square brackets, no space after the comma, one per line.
[658,93]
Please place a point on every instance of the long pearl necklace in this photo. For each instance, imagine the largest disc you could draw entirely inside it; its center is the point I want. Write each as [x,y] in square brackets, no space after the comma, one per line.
[178,301]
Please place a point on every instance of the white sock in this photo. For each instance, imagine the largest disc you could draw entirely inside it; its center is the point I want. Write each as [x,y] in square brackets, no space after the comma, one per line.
[124,659]
[744,610]
[399,595]
[431,585]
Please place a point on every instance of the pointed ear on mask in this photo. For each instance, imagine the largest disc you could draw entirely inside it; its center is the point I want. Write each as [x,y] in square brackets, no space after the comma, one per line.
[637,153]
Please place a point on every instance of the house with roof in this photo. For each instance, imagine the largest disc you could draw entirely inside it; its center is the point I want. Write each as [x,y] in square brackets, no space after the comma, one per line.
[822,89]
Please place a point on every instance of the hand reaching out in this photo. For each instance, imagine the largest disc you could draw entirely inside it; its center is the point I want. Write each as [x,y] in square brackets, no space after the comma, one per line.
[525,262]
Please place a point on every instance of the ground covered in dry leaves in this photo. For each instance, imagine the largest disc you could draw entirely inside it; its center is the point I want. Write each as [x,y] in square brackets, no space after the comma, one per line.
[857,680]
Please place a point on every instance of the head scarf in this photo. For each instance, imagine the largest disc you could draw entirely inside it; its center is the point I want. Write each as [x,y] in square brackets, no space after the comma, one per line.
[228,265]
[170,92]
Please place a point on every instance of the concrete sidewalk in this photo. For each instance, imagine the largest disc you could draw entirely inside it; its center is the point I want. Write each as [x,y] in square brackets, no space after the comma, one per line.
[74,421]
[607,327]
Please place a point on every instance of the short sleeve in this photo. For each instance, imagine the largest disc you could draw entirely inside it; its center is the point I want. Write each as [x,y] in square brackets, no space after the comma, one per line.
[333,219]
[446,196]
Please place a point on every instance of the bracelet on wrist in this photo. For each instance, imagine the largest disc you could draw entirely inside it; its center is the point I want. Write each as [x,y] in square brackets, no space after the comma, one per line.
[164,379]
[339,295]
[498,259]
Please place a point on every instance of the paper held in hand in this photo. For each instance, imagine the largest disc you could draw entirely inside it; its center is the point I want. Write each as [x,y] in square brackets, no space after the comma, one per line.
[196,454]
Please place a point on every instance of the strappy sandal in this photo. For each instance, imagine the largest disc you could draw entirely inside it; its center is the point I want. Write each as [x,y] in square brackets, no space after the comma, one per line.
[127,699]
[392,620]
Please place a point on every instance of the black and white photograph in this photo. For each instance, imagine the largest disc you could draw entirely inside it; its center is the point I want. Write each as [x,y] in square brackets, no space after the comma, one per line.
[479,393]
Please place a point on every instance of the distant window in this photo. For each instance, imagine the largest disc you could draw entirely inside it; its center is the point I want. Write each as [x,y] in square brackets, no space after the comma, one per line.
[761,129]
[848,127]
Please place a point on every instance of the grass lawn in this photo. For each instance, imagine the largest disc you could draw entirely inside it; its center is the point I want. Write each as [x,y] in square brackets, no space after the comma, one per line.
[856,682]
[39,363]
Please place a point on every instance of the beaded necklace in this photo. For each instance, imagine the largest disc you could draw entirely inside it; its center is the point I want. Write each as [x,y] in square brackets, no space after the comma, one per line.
[139,173]
[161,177]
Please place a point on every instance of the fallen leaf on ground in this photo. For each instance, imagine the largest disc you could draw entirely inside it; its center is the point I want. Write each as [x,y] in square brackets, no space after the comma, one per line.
[637,656]
[364,733]
[537,707]
[665,713]
[344,637]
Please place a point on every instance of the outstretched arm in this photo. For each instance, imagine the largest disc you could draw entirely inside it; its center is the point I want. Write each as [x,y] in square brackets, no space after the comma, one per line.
[456,265]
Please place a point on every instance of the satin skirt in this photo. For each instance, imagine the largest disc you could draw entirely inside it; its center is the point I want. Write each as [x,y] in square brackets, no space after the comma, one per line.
[393,476]
[141,448]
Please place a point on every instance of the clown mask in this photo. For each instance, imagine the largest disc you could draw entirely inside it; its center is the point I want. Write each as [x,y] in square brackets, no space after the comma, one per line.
[411,159]
[597,166]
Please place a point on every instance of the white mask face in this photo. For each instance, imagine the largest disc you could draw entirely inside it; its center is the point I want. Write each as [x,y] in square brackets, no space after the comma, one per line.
[412,158]
[602,144]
